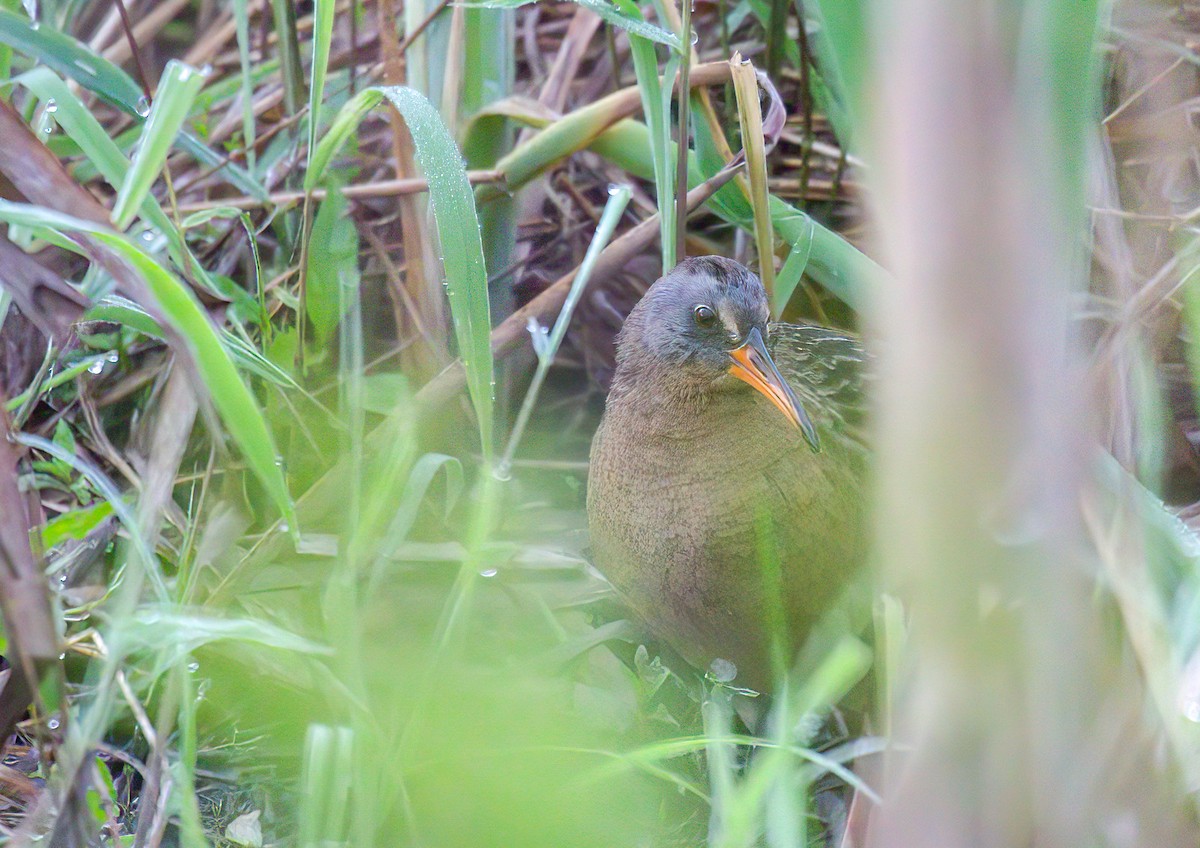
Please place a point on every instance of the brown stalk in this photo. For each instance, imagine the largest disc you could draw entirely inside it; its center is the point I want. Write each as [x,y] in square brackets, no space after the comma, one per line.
[383,188]
[420,287]
[143,77]
[24,600]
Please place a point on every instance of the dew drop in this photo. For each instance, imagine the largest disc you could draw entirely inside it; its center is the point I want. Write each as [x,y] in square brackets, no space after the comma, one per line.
[193,667]
[52,724]
[143,106]
[96,367]
[488,572]
[722,671]
[206,70]
[112,357]
[51,106]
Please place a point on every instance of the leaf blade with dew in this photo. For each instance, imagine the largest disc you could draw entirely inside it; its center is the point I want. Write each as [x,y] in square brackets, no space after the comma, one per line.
[458,228]
[70,58]
[78,122]
[177,91]
[462,247]
[614,208]
[745,87]
[232,399]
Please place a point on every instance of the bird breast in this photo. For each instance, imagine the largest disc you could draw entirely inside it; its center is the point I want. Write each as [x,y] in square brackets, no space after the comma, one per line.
[686,506]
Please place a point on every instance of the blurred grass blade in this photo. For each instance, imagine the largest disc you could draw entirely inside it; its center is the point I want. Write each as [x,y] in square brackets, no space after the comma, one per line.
[322,36]
[232,399]
[241,18]
[176,92]
[645,64]
[745,87]
[840,39]
[326,777]
[457,223]
[423,472]
[618,199]
[171,634]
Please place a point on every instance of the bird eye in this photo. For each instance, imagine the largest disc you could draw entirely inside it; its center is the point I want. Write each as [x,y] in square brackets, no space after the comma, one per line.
[704,315]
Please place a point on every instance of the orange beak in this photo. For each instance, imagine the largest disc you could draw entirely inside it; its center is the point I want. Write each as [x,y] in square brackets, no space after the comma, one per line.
[753,364]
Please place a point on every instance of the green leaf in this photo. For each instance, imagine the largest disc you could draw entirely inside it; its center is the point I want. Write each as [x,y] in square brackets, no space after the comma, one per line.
[332,264]
[75,524]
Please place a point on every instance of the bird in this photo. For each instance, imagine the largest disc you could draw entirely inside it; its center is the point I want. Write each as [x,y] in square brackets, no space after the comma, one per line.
[725,491]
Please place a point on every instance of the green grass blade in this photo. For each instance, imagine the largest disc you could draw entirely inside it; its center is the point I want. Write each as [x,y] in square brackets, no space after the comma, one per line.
[232,399]
[176,93]
[645,64]
[618,199]
[457,223]
[344,123]
[332,264]
[322,36]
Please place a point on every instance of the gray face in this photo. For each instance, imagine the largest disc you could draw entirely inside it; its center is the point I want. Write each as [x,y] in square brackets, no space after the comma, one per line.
[700,311]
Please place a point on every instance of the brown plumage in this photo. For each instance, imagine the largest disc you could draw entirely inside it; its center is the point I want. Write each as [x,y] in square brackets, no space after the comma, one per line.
[697,479]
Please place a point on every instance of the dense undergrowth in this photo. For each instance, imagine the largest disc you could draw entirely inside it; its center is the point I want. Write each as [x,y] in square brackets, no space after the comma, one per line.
[278,282]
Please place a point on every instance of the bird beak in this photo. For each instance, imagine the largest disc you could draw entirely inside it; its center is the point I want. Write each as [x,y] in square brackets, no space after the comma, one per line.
[752,364]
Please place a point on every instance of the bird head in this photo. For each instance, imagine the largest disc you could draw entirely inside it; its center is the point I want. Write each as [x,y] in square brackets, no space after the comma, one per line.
[704,326]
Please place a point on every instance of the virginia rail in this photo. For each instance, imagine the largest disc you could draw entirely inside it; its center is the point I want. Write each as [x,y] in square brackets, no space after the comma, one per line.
[727,442]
